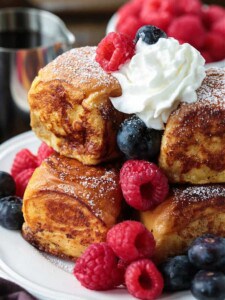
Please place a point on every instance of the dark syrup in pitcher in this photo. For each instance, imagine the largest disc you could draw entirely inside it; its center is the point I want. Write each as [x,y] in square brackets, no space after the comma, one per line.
[24,39]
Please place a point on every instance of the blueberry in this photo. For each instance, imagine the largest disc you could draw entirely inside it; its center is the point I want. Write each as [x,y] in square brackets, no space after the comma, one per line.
[7,185]
[11,216]
[150,34]
[178,273]
[137,141]
[208,285]
[208,252]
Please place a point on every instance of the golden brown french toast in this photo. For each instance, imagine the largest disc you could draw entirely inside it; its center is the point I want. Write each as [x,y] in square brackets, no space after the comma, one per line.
[193,144]
[70,107]
[68,205]
[187,213]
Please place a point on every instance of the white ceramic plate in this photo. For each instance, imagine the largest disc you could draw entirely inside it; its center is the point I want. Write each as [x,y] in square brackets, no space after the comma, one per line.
[112,25]
[44,276]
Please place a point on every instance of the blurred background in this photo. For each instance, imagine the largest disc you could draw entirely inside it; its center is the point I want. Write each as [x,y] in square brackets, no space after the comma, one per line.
[87,19]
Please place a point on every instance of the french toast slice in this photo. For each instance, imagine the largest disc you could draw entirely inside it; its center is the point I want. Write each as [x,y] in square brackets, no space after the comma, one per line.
[70,108]
[187,213]
[193,144]
[67,206]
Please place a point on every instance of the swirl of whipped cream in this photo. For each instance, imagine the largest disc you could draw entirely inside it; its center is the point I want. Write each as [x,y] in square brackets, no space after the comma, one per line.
[157,78]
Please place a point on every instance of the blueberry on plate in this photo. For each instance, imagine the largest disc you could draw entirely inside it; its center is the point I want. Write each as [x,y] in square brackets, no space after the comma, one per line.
[11,216]
[137,141]
[208,285]
[178,273]
[208,252]
[7,185]
[150,34]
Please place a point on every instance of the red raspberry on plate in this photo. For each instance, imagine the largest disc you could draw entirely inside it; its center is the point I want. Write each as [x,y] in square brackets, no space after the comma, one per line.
[143,184]
[97,268]
[160,19]
[130,240]
[114,50]
[143,280]
[188,7]
[131,8]
[215,45]
[212,14]
[44,151]
[22,180]
[24,159]
[130,26]
[188,28]
[207,56]
[219,27]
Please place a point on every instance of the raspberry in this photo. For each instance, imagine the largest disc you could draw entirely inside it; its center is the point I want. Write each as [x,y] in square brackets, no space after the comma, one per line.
[114,50]
[130,240]
[158,13]
[212,14]
[143,280]
[188,28]
[131,8]
[130,27]
[44,151]
[97,268]
[207,56]
[188,7]
[215,45]
[22,180]
[219,27]
[160,19]
[24,159]
[143,184]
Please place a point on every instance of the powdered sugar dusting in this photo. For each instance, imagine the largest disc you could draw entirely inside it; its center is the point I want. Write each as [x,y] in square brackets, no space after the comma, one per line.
[94,186]
[199,193]
[213,87]
[78,67]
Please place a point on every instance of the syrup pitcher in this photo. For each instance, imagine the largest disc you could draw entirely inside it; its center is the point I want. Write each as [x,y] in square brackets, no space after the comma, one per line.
[29,39]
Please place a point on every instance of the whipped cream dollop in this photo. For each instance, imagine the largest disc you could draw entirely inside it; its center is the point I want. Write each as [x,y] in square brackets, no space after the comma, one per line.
[157,78]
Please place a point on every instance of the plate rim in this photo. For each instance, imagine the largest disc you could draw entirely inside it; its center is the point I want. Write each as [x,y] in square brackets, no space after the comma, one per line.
[37,289]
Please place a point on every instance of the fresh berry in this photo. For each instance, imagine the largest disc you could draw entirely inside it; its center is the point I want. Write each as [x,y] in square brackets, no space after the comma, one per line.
[215,45]
[130,27]
[130,240]
[114,50]
[97,268]
[208,252]
[191,7]
[208,285]
[24,159]
[22,180]
[212,14]
[137,141]
[219,27]
[150,34]
[208,58]
[44,151]
[143,280]
[194,32]
[131,8]
[11,216]
[143,184]
[177,273]
[7,185]
[160,19]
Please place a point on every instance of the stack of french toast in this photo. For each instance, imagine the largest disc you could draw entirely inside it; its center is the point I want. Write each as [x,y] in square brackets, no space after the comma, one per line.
[74,197]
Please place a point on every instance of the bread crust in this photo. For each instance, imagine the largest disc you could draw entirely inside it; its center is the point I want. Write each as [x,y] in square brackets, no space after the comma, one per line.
[67,205]
[187,213]
[70,107]
[192,149]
